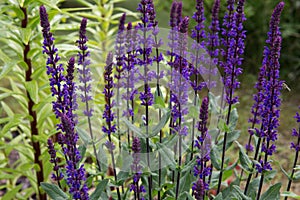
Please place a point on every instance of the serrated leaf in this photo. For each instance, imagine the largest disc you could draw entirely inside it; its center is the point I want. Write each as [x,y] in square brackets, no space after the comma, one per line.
[244,159]
[96,195]
[272,193]
[54,191]
[33,90]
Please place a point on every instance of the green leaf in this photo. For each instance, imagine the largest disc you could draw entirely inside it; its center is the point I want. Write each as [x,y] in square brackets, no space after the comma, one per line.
[54,191]
[26,35]
[185,182]
[244,159]
[82,150]
[33,90]
[291,195]
[272,193]
[219,197]
[50,3]
[8,66]
[161,124]
[296,176]
[133,128]
[159,99]
[11,194]
[96,195]
[233,119]
[167,156]
[239,192]
[253,186]
[215,157]
[186,195]
[83,135]
[283,170]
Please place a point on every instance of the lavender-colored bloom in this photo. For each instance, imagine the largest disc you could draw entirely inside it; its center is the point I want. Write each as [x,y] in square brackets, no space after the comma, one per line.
[75,175]
[262,166]
[271,86]
[136,168]
[198,33]
[64,89]
[213,35]
[296,134]
[272,101]
[179,83]
[84,72]
[120,49]
[173,15]
[198,58]
[179,13]
[234,42]
[273,32]
[53,68]
[108,114]
[199,189]
[57,176]
[203,143]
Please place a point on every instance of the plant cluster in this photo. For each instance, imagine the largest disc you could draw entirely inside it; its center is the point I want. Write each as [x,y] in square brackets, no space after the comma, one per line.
[168,110]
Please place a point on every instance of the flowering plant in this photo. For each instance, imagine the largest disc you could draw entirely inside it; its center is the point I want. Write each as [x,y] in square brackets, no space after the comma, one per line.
[168,110]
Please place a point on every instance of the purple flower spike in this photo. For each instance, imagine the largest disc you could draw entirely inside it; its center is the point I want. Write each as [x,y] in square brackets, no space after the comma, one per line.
[84,72]
[179,13]
[270,108]
[234,42]
[173,15]
[198,32]
[56,176]
[53,68]
[203,143]
[108,114]
[136,168]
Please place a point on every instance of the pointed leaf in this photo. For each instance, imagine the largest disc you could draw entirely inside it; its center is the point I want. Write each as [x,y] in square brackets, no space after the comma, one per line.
[161,124]
[54,191]
[272,193]
[96,195]
[33,90]
[244,159]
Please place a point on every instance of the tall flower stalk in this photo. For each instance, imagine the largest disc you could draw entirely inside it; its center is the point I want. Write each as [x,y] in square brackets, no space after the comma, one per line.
[234,44]
[179,96]
[63,88]
[198,34]
[85,79]
[120,57]
[136,168]
[158,58]
[269,88]
[296,147]
[108,114]
[146,96]
[203,144]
